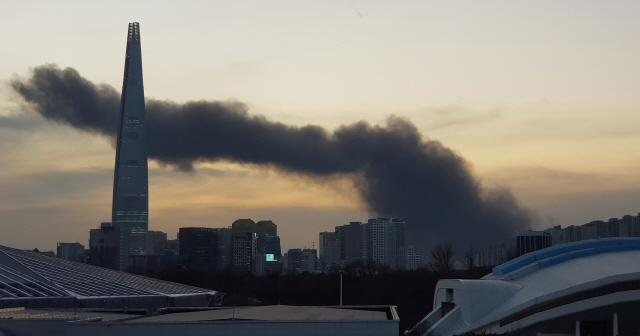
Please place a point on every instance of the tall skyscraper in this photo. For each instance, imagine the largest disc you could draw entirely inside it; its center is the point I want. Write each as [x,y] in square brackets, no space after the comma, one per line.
[131,183]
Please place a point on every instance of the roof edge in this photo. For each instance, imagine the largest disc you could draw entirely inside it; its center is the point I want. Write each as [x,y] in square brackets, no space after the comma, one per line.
[564,252]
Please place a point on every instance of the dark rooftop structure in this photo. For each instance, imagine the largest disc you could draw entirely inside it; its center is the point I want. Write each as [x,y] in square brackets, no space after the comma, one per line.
[32,280]
[220,321]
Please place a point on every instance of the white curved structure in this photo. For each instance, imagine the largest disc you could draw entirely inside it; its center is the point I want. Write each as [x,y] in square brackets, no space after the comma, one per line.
[591,285]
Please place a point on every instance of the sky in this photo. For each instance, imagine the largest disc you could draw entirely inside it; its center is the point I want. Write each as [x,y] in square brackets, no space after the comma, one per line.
[539,98]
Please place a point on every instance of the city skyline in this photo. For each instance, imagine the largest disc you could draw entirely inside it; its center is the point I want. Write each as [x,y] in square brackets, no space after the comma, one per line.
[565,153]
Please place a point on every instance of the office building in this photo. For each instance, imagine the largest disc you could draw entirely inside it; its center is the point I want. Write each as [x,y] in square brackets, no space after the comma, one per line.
[169,246]
[266,228]
[146,264]
[130,207]
[224,248]
[261,228]
[243,225]
[130,186]
[197,249]
[244,251]
[105,246]
[269,245]
[294,260]
[154,239]
[170,251]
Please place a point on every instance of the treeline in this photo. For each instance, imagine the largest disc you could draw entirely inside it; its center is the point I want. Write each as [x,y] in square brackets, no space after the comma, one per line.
[410,291]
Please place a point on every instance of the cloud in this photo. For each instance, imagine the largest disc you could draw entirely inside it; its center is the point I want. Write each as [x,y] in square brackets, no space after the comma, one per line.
[53,188]
[396,171]
[452,120]
[18,124]
[546,181]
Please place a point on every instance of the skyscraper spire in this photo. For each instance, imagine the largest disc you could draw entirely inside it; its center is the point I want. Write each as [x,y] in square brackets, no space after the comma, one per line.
[131,183]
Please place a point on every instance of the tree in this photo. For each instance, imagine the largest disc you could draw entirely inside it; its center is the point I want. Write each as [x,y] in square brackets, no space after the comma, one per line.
[468,257]
[441,257]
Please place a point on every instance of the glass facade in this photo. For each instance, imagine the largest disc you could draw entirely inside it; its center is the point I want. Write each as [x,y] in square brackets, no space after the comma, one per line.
[131,183]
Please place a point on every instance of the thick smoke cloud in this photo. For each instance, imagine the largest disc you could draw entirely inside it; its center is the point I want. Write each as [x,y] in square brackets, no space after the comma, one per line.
[396,170]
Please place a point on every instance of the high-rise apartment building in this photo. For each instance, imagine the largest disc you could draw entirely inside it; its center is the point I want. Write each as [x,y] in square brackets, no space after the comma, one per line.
[385,242]
[627,226]
[351,242]
[329,251]
[414,260]
[380,241]
[70,251]
[130,207]
[309,261]
[532,241]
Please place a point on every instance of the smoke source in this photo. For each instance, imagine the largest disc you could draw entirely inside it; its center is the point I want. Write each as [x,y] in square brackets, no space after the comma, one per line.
[397,171]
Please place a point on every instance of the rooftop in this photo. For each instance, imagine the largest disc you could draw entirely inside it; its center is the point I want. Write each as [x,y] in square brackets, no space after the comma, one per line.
[30,275]
[277,313]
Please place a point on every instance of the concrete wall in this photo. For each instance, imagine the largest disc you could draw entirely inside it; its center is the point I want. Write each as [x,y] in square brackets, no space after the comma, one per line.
[29,327]
[233,328]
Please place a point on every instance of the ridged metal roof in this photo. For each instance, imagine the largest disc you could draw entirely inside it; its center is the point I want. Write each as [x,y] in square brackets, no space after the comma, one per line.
[25,274]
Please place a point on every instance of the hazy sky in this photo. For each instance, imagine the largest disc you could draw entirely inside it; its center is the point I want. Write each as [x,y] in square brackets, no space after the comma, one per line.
[540,97]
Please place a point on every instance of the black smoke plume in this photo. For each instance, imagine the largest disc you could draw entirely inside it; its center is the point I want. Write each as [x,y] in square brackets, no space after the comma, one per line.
[396,170]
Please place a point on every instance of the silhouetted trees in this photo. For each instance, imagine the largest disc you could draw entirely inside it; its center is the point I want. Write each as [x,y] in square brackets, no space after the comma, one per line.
[410,291]
[468,257]
[441,257]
